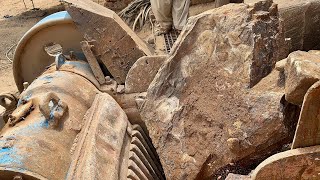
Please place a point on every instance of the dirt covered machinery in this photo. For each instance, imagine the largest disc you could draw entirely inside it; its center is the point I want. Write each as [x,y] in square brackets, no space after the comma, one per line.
[72,119]
[89,87]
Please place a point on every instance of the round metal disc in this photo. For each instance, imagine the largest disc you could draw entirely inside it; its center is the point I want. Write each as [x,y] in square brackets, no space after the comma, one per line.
[31,57]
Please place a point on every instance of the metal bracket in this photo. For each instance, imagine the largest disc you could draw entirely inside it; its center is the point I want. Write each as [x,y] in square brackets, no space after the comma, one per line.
[86,48]
[53,109]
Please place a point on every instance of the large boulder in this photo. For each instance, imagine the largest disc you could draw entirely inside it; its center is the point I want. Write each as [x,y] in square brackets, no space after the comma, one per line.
[200,110]
[302,71]
[308,128]
[301,22]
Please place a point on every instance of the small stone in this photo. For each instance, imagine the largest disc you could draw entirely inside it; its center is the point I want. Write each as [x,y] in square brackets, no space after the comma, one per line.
[280,65]
[140,102]
[120,89]
[234,144]
[232,176]
[17,177]
[150,39]
[108,80]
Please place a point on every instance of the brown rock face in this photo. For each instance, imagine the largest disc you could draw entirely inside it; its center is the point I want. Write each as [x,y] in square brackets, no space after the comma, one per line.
[199,110]
[237,177]
[308,128]
[301,22]
[300,163]
[142,73]
[116,5]
[302,71]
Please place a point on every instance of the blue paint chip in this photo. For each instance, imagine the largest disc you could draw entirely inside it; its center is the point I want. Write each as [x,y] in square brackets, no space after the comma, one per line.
[9,156]
[25,98]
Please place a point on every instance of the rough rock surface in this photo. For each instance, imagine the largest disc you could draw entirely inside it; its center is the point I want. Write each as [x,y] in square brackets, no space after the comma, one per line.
[308,128]
[293,164]
[302,71]
[142,73]
[115,44]
[237,177]
[301,22]
[116,5]
[200,110]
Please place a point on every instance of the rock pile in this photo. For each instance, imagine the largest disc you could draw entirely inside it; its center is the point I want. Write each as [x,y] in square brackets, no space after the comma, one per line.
[216,104]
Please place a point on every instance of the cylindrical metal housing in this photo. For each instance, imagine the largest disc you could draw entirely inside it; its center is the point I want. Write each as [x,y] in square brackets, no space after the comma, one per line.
[37,142]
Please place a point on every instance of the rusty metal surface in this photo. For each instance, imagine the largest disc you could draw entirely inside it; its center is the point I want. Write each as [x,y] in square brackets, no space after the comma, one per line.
[86,48]
[109,147]
[58,130]
[115,44]
[65,125]
[102,146]
[143,161]
[169,39]
[78,67]
[9,102]
[37,140]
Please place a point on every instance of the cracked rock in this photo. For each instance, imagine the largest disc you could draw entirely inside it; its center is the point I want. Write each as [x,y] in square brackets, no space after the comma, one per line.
[302,71]
[218,87]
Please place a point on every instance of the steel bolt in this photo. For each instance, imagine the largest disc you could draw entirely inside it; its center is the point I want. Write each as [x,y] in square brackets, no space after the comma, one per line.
[25,85]
[108,80]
